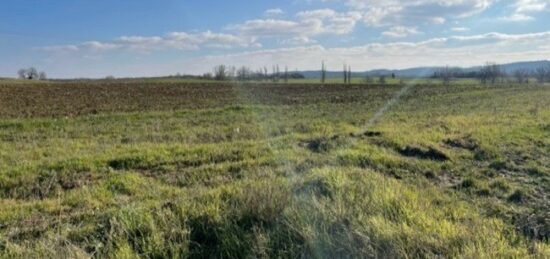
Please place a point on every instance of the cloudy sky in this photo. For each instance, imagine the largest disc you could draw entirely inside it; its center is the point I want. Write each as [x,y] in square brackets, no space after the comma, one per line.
[85,38]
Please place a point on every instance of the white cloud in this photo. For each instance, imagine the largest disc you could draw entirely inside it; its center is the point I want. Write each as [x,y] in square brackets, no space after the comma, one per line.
[300,40]
[400,31]
[517,17]
[174,40]
[306,24]
[274,12]
[460,29]
[529,6]
[523,10]
[411,12]
[96,45]
[273,27]
[454,51]
[60,48]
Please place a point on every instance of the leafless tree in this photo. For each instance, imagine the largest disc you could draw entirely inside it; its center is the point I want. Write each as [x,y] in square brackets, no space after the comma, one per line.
[42,76]
[323,72]
[542,74]
[286,75]
[231,72]
[29,74]
[243,73]
[368,80]
[490,72]
[273,73]
[382,80]
[349,74]
[345,74]
[445,74]
[522,76]
[220,73]
[277,73]
[22,73]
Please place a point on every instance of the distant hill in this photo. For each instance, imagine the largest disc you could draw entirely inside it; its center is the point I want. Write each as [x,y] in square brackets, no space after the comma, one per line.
[426,71]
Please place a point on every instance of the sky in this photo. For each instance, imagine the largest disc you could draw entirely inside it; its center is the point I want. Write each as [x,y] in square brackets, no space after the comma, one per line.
[131,38]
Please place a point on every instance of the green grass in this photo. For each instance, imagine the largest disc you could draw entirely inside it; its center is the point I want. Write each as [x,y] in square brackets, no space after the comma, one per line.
[272,171]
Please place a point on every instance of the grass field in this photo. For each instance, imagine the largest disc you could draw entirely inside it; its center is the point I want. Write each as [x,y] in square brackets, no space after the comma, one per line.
[157,169]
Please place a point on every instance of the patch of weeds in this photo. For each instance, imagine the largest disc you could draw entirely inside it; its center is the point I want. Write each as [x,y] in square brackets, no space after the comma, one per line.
[2,245]
[484,155]
[466,142]
[423,153]
[128,163]
[536,225]
[151,232]
[518,196]
[322,184]
[498,165]
[500,185]
[468,183]
[262,203]
[484,192]
[50,180]
[11,126]
[371,134]
[317,186]
[535,171]
[305,165]
[302,128]
[430,175]
[324,144]
[125,184]
[72,165]
[382,142]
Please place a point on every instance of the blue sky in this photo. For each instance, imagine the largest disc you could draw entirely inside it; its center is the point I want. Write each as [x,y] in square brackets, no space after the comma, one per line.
[85,38]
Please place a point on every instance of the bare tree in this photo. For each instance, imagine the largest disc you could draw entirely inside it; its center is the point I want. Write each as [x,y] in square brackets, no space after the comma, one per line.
[368,80]
[31,74]
[345,74]
[323,72]
[522,76]
[382,80]
[231,72]
[277,73]
[243,73]
[220,73]
[22,73]
[42,76]
[490,72]
[541,74]
[349,74]
[286,75]
[445,74]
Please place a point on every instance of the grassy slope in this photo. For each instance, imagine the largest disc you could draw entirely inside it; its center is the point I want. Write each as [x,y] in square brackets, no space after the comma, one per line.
[278,172]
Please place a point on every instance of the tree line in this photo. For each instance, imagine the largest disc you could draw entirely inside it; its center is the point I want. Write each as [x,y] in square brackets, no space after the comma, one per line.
[224,73]
[489,73]
[31,73]
[492,73]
